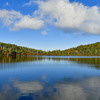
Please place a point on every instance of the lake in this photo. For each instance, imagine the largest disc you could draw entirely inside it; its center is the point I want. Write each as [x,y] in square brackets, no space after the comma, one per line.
[50,78]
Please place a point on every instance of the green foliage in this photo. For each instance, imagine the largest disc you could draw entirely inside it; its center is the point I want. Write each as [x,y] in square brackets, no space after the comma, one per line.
[82,50]
[8,49]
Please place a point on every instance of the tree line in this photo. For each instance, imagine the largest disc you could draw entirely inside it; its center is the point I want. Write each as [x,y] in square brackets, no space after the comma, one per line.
[82,50]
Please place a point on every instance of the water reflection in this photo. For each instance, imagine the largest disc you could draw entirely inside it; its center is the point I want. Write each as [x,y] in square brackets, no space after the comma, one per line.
[49,78]
[94,62]
[28,87]
[5,59]
[88,89]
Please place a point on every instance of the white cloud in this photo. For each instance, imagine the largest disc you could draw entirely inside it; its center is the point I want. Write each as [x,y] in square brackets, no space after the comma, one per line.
[70,16]
[16,21]
[9,17]
[44,33]
[27,22]
[63,14]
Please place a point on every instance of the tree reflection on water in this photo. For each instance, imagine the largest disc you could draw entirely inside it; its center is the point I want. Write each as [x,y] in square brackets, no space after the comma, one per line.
[94,62]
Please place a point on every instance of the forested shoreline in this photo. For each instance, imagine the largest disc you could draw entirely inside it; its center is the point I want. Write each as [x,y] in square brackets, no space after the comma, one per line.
[82,50]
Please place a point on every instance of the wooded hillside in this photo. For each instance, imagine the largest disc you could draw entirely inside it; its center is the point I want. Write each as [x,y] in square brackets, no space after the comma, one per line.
[82,50]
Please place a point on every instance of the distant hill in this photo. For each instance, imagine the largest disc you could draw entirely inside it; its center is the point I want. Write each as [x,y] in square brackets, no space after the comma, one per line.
[9,49]
[82,50]
[85,50]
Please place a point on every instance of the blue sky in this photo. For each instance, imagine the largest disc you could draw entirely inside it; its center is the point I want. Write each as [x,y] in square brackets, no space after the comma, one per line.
[20,25]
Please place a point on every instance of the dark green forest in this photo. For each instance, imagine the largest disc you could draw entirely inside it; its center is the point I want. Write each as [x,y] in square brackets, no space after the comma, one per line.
[82,50]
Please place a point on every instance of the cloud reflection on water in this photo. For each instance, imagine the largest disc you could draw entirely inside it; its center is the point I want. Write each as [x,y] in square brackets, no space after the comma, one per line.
[74,83]
[28,87]
[88,89]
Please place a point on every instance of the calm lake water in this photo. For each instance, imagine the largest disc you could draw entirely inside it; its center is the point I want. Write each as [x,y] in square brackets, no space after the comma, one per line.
[50,78]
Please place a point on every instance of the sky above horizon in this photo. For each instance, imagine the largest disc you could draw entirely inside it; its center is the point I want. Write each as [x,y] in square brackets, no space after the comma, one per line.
[50,24]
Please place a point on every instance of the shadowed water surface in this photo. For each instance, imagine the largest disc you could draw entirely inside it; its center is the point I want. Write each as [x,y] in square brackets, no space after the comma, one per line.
[50,78]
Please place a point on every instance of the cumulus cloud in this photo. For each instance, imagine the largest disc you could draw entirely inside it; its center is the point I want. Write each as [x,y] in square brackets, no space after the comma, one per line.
[9,17]
[71,16]
[27,22]
[63,14]
[16,21]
